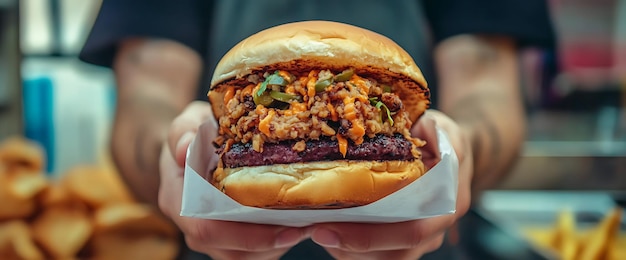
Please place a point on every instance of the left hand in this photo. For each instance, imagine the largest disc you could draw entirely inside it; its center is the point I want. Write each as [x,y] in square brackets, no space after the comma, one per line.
[410,239]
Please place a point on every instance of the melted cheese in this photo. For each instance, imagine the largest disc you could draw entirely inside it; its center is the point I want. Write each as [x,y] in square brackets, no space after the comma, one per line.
[360,82]
[260,110]
[290,89]
[310,86]
[357,130]
[295,108]
[285,75]
[349,111]
[333,112]
[264,125]
[247,90]
[302,90]
[229,94]
[343,145]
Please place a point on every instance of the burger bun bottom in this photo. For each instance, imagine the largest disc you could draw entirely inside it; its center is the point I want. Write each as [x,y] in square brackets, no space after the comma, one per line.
[316,185]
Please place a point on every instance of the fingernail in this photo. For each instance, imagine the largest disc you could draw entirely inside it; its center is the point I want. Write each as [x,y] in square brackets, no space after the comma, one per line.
[287,238]
[325,237]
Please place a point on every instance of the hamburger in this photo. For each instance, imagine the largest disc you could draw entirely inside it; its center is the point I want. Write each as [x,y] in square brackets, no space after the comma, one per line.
[316,115]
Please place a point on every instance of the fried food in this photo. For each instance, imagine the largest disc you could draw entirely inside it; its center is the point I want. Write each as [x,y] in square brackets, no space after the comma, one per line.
[132,217]
[96,186]
[565,239]
[597,243]
[62,232]
[133,231]
[87,213]
[16,241]
[19,154]
[21,178]
[131,246]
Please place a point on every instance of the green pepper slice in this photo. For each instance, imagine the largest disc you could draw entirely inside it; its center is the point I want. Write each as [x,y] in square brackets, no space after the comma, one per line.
[344,75]
[264,99]
[274,79]
[383,108]
[321,85]
[284,97]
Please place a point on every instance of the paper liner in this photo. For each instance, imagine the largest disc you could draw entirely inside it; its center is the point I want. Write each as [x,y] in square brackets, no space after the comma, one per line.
[431,195]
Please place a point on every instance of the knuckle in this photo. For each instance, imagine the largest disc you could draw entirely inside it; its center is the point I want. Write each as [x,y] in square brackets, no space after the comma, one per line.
[434,244]
[251,245]
[416,235]
[363,244]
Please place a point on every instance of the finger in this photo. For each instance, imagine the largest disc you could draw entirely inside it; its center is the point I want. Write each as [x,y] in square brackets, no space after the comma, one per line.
[171,184]
[218,234]
[459,139]
[412,253]
[227,235]
[425,130]
[380,237]
[185,126]
[464,192]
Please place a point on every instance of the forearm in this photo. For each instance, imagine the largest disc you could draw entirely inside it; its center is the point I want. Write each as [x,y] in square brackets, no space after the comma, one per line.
[155,80]
[479,88]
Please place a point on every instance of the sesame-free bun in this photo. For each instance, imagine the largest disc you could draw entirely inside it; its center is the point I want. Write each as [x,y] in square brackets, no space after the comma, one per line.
[300,48]
[303,46]
[315,185]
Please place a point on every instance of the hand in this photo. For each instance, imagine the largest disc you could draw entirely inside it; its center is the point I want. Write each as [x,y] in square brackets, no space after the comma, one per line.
[219,239]
[410,239]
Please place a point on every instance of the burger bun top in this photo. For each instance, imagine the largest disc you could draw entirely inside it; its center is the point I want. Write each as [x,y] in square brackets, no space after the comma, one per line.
[325,45]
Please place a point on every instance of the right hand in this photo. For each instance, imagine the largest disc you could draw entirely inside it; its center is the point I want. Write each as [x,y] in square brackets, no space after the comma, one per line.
[218,239]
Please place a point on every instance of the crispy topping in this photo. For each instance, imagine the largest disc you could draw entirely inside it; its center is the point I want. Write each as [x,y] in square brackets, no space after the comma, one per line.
[264,125]
[282,106]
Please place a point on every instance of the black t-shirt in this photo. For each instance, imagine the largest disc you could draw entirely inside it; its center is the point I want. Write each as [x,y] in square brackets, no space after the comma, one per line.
[213,27]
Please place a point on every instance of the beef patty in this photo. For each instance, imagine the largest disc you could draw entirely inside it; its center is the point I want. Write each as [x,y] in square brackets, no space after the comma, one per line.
[379,148]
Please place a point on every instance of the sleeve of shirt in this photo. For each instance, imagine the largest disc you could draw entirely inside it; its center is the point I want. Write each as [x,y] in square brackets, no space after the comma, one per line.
[527,21]
[179,20]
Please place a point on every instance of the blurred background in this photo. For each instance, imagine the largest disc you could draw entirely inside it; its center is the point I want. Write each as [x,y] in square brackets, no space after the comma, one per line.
[576,145]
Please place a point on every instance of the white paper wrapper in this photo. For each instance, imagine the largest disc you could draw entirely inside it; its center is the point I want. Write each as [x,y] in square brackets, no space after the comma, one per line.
[431,195]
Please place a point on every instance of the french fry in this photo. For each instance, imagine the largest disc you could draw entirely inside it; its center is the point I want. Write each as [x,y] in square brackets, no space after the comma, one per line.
[16,242]
[565,240]
[62,232]
[96,186]
[618,248]
[602,242]
[596,244]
